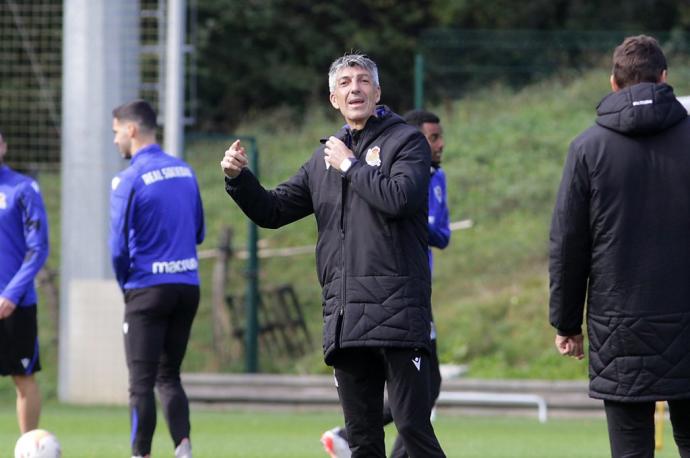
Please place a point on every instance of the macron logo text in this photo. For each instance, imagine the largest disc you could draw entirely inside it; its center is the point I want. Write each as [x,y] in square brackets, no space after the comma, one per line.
[173,267]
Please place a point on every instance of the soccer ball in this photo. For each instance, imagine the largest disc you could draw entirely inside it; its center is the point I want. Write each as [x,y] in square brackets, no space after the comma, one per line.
[38,443]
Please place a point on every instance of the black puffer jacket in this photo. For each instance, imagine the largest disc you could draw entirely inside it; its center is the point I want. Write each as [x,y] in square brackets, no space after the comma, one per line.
[372,223]
[621,235]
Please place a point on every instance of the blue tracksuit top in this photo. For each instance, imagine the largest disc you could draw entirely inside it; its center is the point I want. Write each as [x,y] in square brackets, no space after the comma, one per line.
[23,236]
[156,221]
[439,224]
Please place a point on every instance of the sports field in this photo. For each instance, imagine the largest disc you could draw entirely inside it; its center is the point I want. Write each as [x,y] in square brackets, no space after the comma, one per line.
[103,432]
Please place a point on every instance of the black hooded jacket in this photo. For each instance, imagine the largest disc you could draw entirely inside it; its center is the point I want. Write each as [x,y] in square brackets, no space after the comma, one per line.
[371,252]
[620,236]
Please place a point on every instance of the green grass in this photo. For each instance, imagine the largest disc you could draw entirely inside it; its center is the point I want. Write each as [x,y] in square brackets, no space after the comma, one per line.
[103,432]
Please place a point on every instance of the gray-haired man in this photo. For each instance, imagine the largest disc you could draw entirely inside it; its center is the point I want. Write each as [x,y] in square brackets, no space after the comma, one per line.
[367,187]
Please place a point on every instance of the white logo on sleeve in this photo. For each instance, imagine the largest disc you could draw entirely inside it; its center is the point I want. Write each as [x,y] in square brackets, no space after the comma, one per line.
[125,327]
[34,185]
[115,183]
[417,361]
[438,193]
[25,362]
[3,201]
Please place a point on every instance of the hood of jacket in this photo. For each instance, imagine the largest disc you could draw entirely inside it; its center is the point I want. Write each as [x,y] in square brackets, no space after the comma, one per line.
[641,109]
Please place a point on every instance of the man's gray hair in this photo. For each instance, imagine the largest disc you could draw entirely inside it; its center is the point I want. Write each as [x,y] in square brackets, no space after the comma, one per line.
[352,60]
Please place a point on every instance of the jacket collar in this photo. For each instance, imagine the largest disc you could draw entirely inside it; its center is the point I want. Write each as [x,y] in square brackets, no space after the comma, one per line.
[146,151]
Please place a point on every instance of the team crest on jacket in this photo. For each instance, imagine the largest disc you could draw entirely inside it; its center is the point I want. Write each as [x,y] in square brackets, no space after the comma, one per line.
[3,201]
[373,156]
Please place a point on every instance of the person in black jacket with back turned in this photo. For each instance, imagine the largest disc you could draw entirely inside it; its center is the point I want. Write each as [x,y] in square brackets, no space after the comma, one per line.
[620,236]
[367,187]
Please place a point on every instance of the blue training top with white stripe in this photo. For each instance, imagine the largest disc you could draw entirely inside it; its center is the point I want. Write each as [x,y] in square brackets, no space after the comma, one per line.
[157,219]
[23,236]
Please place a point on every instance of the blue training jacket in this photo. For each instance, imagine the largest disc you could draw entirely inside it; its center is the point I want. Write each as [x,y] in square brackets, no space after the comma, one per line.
[157,219]
[439,224]
[23,236]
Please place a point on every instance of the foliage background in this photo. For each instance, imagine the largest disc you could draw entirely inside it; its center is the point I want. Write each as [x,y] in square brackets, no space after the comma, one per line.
[258,54]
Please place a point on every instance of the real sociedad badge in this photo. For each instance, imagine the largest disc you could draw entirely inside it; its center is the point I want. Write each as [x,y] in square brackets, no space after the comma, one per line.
[373,156]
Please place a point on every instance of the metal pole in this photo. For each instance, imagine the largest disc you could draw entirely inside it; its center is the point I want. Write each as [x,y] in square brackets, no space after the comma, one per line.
[174,78]
[251,336]
[91,83]
[418,81]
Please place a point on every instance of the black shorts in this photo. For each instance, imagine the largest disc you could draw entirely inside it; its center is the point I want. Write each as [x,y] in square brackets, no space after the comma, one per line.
[19,342]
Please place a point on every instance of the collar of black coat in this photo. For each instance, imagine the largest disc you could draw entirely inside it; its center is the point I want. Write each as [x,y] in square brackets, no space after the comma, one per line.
[381,120]
[641,109]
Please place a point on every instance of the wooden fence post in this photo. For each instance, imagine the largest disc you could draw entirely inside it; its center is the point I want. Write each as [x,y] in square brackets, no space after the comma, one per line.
[221,319]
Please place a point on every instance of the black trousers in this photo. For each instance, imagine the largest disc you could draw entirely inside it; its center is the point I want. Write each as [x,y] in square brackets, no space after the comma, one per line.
[361,374]
[631,427]
[434,390]
[158,320]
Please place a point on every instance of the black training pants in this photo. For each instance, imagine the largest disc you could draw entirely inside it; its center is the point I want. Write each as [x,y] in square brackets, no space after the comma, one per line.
[434,390]
[631,427]
[158,320]
[361,374]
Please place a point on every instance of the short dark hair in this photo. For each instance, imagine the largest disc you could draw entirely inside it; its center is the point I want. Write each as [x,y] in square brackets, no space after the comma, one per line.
[352,60]
[419,117]
[138,111]
[639,59]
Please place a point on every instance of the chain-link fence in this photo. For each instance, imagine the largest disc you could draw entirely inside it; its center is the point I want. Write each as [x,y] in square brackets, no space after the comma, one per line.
[31,39]
[452,62]
[30,81]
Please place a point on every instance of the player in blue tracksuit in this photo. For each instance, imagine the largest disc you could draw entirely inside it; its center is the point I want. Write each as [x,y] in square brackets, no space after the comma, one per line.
[23,250]
[335,440]
[156,222]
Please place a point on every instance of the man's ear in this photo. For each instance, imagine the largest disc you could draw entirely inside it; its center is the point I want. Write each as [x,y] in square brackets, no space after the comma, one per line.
[334,101]
[664,76]
[378,94]
[132,129]
[614,85]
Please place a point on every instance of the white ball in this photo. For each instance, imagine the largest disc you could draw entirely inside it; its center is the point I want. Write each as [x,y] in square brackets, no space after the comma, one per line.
[38,443]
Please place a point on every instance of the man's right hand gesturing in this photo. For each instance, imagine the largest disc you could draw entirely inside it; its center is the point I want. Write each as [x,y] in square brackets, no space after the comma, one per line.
[235,160]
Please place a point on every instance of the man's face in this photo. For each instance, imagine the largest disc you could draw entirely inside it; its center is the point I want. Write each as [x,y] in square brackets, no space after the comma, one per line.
[434,135]
[123,137]
[3,149]
[355,95]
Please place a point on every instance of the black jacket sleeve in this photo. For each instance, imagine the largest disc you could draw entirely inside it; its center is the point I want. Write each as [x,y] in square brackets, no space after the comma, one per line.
[401,193]
[570,247]
[287,203]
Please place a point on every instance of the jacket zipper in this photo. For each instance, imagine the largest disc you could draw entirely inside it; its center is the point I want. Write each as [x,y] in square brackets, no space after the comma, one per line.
[343,194]
[341,311]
